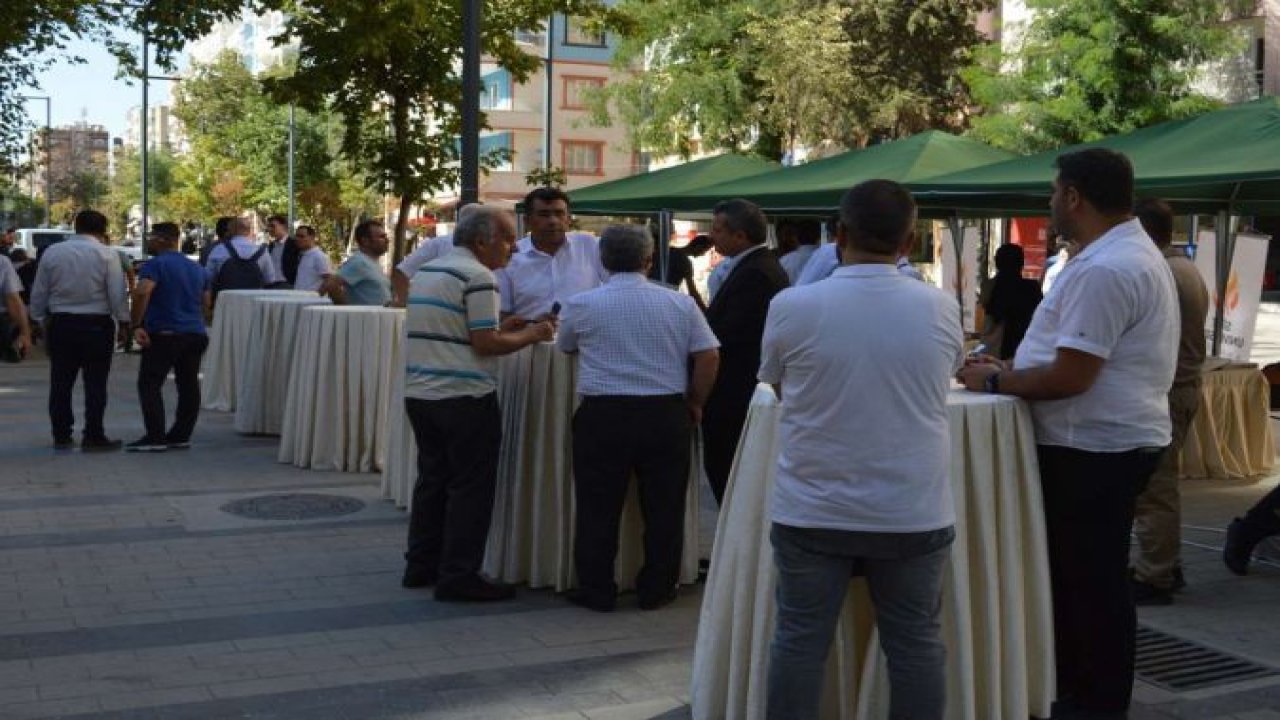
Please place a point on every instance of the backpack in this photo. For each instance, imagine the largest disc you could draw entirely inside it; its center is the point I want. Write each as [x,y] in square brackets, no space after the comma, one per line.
[238,273]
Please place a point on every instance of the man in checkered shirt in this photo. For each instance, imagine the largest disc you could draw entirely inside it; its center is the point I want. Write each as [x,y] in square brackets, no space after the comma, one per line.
[636,342]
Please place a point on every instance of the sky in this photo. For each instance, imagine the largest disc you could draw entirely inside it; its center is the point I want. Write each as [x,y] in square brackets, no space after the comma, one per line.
[90,91]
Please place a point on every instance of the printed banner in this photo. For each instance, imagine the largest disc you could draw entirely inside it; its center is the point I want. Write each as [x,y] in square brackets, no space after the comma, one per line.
[1244,291]
[965,281]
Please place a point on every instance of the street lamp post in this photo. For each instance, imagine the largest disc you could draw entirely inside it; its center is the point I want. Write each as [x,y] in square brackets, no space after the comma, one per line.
[471,18]
[48,154]
[291,143]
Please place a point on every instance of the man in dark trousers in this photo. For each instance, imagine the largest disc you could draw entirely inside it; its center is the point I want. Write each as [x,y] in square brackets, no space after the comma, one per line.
[169,303]
[79,296]
[736,315]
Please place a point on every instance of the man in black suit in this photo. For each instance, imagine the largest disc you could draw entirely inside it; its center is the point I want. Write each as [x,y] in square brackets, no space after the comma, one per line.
[737,315]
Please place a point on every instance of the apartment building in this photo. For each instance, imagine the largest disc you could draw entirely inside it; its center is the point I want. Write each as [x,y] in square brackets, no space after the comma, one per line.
[71,149]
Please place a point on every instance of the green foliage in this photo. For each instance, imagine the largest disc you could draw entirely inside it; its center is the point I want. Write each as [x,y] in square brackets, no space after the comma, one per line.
[1085,69]
[123,201]
[547,176]
[390,70]
[764,75]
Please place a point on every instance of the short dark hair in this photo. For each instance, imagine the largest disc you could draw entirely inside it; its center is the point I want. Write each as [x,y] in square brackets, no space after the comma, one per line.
[91,222]
[221,227]
[745,217]
[305,228]
[1157,219]
[1102,177]
[700,244]
[18,255]
[167,231]
[544,195]
[278,219]
[365,230]
[877,216]
[810,231]
[11,230]
[1010,259]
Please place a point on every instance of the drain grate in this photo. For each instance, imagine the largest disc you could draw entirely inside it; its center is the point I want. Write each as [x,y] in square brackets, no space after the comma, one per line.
[1180,665]
[293,506]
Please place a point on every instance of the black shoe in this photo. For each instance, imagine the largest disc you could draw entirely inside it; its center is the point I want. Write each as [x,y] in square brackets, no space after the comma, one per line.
[592,600]
[63,443]
[1145,594]
[655,602]
[1238,549]
[101,444]
[1179,580]
[474,589]
[418,576]
[177,444]
[146,445]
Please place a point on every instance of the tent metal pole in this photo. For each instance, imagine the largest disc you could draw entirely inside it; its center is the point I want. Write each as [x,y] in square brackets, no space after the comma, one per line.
[957,246]
[1226,251]
[664,241]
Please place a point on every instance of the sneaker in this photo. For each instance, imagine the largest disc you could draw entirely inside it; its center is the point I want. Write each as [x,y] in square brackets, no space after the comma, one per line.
[146,445]
[418,576]
[177,444]
[1145,594]
[102,444]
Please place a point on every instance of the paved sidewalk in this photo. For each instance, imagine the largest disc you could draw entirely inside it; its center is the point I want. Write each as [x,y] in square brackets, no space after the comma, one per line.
[125,592]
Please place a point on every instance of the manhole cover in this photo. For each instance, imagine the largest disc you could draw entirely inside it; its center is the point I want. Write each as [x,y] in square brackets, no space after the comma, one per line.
[293,506]
[1180,665]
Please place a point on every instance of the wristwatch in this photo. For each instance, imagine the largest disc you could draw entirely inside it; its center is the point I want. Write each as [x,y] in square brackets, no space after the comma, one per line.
[992,383]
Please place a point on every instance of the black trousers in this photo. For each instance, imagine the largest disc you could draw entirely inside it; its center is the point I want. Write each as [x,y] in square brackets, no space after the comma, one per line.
[1089,500]
[613,437]
[181,353]
[458,441]
[79,343]
[723,418]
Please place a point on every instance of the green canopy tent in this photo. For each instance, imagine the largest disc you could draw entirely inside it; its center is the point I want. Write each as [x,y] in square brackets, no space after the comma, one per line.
[644,194]
[1225,162]
[816,188]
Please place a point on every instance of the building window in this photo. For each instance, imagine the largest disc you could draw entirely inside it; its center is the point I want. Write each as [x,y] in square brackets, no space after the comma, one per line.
[495,94]
[576,34]
[575,92]
[582,158]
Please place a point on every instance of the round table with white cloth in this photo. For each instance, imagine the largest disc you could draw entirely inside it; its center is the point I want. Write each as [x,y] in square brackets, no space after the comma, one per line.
[264,377]
[339,393]
[229,345]
[997,617]
[531,538]
[1230,436]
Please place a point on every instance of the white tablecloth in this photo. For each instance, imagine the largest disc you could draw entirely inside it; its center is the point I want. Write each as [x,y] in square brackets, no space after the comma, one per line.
[264,377]
[339,395]
[1231,434]
[997,613]
[229,344]
[531,539]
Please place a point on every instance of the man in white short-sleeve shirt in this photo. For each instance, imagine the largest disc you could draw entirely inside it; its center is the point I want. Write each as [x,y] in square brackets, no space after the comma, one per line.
[11,292]
[1097,363]
[427,250]
[313,265]
[863,361]
[550,265]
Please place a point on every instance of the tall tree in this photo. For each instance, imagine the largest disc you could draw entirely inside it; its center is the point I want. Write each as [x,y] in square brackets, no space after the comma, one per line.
[765,75]
[391,70]
[1081,70]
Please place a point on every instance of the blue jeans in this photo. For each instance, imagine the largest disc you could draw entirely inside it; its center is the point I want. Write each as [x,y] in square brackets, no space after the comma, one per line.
[904,574]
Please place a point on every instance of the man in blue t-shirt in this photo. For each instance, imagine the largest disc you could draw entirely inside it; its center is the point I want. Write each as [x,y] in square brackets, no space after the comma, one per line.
[361,280]
[169,305]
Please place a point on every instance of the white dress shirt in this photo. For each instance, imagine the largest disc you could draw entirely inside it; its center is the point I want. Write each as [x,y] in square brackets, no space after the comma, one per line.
[275,249]
[79,276]
[865,361]
[245,248]
[313,268]
[633,337]
[427,250]
[10,283]
[534,281]
[906,268]
[794,261]
[1115,300]
[821,264]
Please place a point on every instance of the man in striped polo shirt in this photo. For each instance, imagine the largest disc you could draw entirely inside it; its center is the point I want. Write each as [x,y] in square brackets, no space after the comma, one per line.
[453,339]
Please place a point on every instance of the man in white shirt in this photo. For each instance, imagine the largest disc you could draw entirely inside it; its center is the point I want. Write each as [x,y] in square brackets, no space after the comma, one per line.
[1097,364]
[862,361]
[79,296]
[806,234]
[550,265]
[282,248]
[636,341]
[313,263]
[245,248]
[11,291]
[427,250]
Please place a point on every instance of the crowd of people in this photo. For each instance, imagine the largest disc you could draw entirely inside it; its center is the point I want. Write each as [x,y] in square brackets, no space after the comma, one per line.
[860,352]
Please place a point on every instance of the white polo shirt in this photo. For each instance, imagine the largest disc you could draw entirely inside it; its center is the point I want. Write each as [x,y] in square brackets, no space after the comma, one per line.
[313,268]
[534,281]
[1115,300]
[427,250]
[865,360]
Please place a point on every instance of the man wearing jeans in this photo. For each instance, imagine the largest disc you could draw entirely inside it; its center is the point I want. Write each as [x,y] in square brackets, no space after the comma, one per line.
[863,362]
[1097,364]
[453,338]
[168,316]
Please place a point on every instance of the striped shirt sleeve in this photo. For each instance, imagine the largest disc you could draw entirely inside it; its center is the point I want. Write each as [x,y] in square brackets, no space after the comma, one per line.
[481,301]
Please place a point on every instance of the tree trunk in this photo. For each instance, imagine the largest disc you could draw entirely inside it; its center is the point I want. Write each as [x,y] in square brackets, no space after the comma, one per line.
[400,135]
[401,242]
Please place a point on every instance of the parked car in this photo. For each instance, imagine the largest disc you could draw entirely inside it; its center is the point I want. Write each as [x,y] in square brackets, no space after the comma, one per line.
[34,240]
